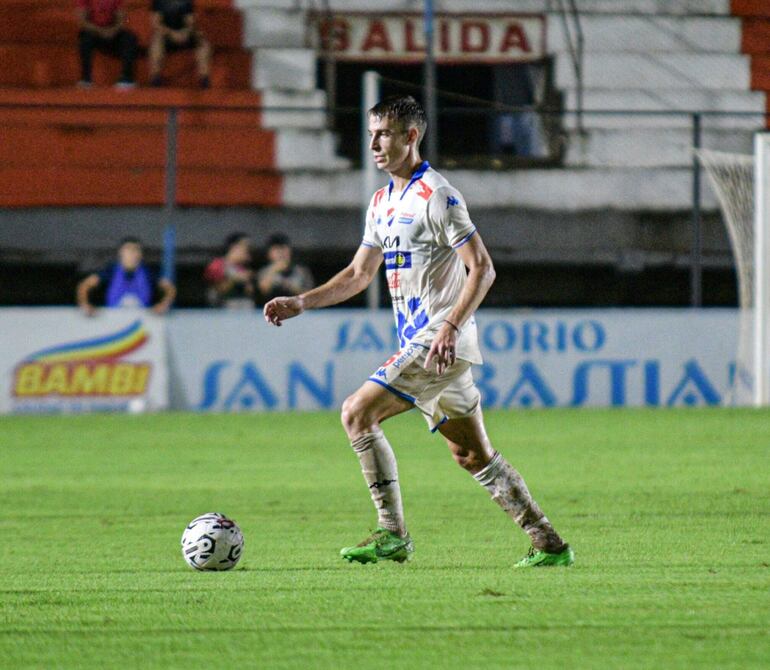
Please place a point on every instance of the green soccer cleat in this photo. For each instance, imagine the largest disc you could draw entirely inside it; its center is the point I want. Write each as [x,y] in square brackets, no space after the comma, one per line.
[381,544]
[537,558]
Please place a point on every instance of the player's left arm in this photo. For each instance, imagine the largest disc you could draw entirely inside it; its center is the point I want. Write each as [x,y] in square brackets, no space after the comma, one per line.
[481,276]
[345,284]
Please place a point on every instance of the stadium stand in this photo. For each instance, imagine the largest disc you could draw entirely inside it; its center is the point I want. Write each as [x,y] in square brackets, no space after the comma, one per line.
[111,151]
[660,63]
[66,147]
[260,138]
[37,40]
[644,55]
[755,42]
[662,58]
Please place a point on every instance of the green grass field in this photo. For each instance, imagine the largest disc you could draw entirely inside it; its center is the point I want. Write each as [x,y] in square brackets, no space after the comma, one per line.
[667,512]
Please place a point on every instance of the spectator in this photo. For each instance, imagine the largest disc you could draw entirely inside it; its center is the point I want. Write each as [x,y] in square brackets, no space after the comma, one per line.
[282,276]
[174,29]
[518,133]
[231,282]
[127,282]
[101,27]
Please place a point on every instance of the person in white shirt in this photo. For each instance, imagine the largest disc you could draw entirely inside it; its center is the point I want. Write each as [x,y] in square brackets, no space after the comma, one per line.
[419,226]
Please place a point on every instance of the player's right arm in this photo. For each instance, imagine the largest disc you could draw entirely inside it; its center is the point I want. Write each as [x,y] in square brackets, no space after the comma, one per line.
[345,284]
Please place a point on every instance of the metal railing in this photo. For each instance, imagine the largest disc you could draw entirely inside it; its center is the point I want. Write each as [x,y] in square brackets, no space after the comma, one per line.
[573,31]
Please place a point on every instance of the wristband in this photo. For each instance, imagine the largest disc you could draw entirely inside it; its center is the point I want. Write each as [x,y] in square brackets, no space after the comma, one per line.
[451,324]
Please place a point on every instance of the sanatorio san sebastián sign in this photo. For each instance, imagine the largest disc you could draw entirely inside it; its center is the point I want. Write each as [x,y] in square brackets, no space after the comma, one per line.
[458,38]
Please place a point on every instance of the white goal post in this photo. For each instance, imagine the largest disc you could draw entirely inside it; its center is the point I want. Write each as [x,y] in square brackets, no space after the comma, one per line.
[741,185]
[761,268]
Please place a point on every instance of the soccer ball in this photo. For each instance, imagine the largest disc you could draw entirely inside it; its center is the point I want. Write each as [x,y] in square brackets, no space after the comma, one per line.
[212,542]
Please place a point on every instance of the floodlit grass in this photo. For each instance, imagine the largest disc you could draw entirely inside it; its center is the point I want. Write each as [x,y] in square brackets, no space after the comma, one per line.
[667,512]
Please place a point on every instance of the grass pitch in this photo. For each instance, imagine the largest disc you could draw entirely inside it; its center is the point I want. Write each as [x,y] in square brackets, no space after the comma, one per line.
[667,512]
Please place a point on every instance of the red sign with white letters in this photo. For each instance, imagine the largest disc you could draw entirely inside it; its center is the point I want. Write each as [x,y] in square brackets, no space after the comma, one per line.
[457,38]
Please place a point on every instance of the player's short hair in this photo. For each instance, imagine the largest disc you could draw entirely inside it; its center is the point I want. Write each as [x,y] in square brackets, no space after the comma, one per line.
[404,110]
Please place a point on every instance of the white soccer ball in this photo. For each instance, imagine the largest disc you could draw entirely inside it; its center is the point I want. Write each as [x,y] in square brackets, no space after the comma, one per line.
[212,542]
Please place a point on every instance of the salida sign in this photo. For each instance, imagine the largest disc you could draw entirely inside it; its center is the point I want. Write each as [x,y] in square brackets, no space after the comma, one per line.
[458,38]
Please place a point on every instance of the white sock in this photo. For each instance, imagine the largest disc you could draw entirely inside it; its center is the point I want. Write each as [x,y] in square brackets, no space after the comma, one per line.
[507,488]
[378,463]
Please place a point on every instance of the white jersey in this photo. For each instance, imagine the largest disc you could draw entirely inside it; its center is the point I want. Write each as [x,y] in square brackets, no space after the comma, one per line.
[418,231]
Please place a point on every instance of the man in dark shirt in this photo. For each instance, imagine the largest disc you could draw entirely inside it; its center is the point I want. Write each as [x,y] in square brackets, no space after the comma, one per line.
[101,27]
[174,29]
[282,276]
[127,282]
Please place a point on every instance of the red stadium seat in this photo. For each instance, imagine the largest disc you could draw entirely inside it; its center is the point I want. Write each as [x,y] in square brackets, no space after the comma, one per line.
[67,147]
[755,41]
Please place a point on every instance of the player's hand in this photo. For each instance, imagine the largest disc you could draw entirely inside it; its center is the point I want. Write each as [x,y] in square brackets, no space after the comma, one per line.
[160,309]
[442,351]
[280,309]
[88,310]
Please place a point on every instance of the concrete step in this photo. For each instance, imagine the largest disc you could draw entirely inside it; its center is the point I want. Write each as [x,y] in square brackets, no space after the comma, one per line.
[294,109]
[274,27]
[657,71]
[572,189]
[650,33]
[661,7]
[300,149]
[284,69]
[648,147]
[752,103]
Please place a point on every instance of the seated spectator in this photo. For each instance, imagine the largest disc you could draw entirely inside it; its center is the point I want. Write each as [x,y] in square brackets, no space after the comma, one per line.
[174,29]
[127,283]
[282,276]
[231,282]
[101,27]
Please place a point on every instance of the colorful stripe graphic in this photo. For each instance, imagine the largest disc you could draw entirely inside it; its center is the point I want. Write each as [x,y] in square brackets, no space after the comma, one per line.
[109,347]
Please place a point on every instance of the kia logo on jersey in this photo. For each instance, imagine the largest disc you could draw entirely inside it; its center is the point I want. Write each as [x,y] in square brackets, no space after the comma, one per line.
[390,242]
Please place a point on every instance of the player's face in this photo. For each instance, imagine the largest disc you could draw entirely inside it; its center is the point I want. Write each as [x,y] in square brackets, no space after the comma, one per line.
[389,143]
[130,255]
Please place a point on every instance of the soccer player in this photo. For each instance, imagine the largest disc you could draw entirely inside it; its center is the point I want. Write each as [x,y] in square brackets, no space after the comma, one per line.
[419,226]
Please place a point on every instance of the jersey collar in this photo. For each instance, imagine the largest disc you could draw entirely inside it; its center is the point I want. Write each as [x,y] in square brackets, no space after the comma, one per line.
[416,175]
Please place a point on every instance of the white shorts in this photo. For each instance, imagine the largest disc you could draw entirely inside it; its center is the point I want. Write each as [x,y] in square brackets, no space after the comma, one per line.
[452,395]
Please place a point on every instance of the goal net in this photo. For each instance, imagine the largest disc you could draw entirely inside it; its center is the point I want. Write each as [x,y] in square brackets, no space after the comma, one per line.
[733,177]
